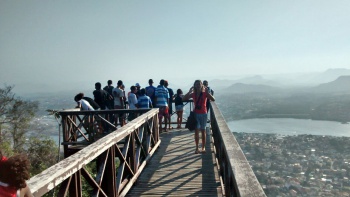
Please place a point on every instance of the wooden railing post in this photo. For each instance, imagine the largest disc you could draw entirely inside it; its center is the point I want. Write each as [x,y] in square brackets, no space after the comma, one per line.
[75,188]
[65,133]
[132,153]
[109,181]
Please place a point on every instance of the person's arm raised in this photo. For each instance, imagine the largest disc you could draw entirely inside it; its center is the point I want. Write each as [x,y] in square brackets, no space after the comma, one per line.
[188,95]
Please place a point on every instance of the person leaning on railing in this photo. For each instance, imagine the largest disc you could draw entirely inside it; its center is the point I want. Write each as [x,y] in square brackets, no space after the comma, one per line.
[199,94]
[84,104]
[14,172]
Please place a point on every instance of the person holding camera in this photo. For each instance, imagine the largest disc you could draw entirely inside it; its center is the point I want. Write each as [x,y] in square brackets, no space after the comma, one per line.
[200,95]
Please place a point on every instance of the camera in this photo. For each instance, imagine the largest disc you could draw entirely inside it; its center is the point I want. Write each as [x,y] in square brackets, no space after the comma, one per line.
[198,107]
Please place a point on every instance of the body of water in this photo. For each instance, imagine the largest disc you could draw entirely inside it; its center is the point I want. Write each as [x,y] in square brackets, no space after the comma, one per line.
[290,126]
[283,126]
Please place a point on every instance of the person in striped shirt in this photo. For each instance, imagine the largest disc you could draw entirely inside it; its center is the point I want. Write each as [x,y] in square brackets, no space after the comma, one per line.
[144,101]
[161,101]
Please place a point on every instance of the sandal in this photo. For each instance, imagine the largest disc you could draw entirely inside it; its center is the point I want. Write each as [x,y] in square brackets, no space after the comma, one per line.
[196,152]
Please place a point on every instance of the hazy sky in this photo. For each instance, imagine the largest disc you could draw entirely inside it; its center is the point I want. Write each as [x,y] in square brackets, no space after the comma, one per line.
[80,42]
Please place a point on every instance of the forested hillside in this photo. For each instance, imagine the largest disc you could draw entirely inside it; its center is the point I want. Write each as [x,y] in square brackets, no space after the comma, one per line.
[18,134]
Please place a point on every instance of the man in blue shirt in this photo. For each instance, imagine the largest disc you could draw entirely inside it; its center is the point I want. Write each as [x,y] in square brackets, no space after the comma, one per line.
[161,101]
[144,102]
[150,91]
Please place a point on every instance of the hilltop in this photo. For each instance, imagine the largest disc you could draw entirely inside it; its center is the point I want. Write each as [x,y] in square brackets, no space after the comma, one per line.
[251,88]
[327,101]
[285,81]
[340,85]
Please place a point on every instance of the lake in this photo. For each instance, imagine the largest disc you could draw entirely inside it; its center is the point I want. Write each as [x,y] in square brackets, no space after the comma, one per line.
[284,126]
[290,126]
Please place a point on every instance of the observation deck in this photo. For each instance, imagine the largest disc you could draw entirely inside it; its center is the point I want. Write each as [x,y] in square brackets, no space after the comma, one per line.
[138,160]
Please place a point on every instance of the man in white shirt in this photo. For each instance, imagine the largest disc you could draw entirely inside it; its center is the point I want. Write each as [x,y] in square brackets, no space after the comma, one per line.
[132,99]
[119,102]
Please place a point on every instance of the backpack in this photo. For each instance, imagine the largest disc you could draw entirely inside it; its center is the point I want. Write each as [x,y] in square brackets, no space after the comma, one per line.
[109,90]
[107,96]
[92,102]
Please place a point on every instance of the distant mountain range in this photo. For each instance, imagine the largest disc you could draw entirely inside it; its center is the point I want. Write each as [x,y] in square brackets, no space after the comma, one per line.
[256,80]
[328,76]
[330,81]
[251,88]
[339,86]
[257,83]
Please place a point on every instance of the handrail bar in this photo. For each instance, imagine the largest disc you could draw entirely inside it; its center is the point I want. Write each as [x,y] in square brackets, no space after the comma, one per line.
[235,171]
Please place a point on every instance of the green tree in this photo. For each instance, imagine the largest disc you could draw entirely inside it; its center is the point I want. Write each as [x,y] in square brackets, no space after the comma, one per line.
[6,98]
[20,114]
[41,153]
[16,116]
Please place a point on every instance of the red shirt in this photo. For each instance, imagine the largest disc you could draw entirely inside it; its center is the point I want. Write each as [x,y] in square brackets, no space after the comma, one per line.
[202,103]
[7,191]
[3,158]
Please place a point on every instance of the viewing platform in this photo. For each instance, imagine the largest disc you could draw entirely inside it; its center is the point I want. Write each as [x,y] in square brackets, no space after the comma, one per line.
[175,170]
[138,160]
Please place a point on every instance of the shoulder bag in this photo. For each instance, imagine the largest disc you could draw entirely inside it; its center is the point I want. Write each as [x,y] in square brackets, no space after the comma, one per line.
[191,120]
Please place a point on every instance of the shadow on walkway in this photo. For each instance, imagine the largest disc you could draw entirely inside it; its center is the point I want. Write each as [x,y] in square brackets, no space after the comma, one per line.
[175,170]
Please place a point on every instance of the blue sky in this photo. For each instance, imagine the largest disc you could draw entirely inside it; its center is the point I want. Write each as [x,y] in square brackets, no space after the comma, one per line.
[77,43]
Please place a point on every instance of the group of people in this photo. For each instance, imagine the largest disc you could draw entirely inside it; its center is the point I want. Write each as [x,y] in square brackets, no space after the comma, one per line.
[161,97]
[138,98]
